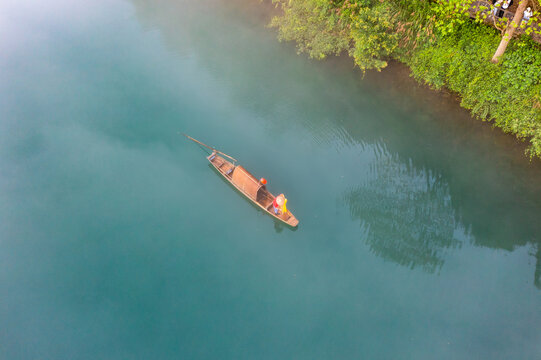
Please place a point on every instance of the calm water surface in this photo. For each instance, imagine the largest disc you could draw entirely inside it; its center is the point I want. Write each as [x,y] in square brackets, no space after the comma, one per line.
[420,233]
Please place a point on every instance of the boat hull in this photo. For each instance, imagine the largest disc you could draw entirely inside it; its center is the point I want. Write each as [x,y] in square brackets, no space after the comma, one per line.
[250,187]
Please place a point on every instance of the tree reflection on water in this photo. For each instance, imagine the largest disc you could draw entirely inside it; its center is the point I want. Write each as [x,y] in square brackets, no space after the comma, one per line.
[407,213]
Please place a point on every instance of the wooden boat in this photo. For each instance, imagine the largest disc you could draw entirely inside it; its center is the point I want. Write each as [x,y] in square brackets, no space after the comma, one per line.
[246,183]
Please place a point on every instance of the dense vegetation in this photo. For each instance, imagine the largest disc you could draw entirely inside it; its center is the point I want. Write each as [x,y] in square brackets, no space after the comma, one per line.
[441,44]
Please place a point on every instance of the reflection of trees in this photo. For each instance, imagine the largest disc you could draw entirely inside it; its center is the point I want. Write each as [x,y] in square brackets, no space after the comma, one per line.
[408,213]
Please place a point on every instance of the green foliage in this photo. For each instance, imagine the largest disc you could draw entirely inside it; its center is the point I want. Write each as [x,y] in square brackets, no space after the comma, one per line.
[371,30]
[363,28]
[450,14]
[522,66]
[443,47]
[310,23]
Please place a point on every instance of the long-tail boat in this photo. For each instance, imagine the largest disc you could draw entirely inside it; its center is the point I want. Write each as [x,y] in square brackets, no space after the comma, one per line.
[247,184]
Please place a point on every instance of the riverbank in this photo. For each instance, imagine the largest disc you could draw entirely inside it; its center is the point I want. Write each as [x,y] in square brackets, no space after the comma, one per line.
[507,94]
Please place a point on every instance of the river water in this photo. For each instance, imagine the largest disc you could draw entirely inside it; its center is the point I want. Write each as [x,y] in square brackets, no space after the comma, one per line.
[419,235]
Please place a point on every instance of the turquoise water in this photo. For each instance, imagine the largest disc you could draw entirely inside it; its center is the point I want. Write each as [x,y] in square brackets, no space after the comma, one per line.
[419,233]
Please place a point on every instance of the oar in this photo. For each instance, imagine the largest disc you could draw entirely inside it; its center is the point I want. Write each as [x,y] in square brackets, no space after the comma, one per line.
[211,148]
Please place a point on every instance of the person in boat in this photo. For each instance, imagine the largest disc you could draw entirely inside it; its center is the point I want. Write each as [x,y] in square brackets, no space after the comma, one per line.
[279,204]
[263,183]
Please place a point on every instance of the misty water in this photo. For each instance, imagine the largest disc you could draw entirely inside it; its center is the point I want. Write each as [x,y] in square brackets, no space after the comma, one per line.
[419,235]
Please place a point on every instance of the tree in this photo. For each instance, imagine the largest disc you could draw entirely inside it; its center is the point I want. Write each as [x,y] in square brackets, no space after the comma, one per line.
[313,25]
[375,39]
[450,14]
[510,31]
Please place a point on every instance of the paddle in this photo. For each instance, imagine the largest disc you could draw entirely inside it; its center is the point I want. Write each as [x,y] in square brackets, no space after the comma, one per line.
[211,148]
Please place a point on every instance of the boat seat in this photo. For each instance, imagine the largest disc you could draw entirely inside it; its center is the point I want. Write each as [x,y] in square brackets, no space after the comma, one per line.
[218,162]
